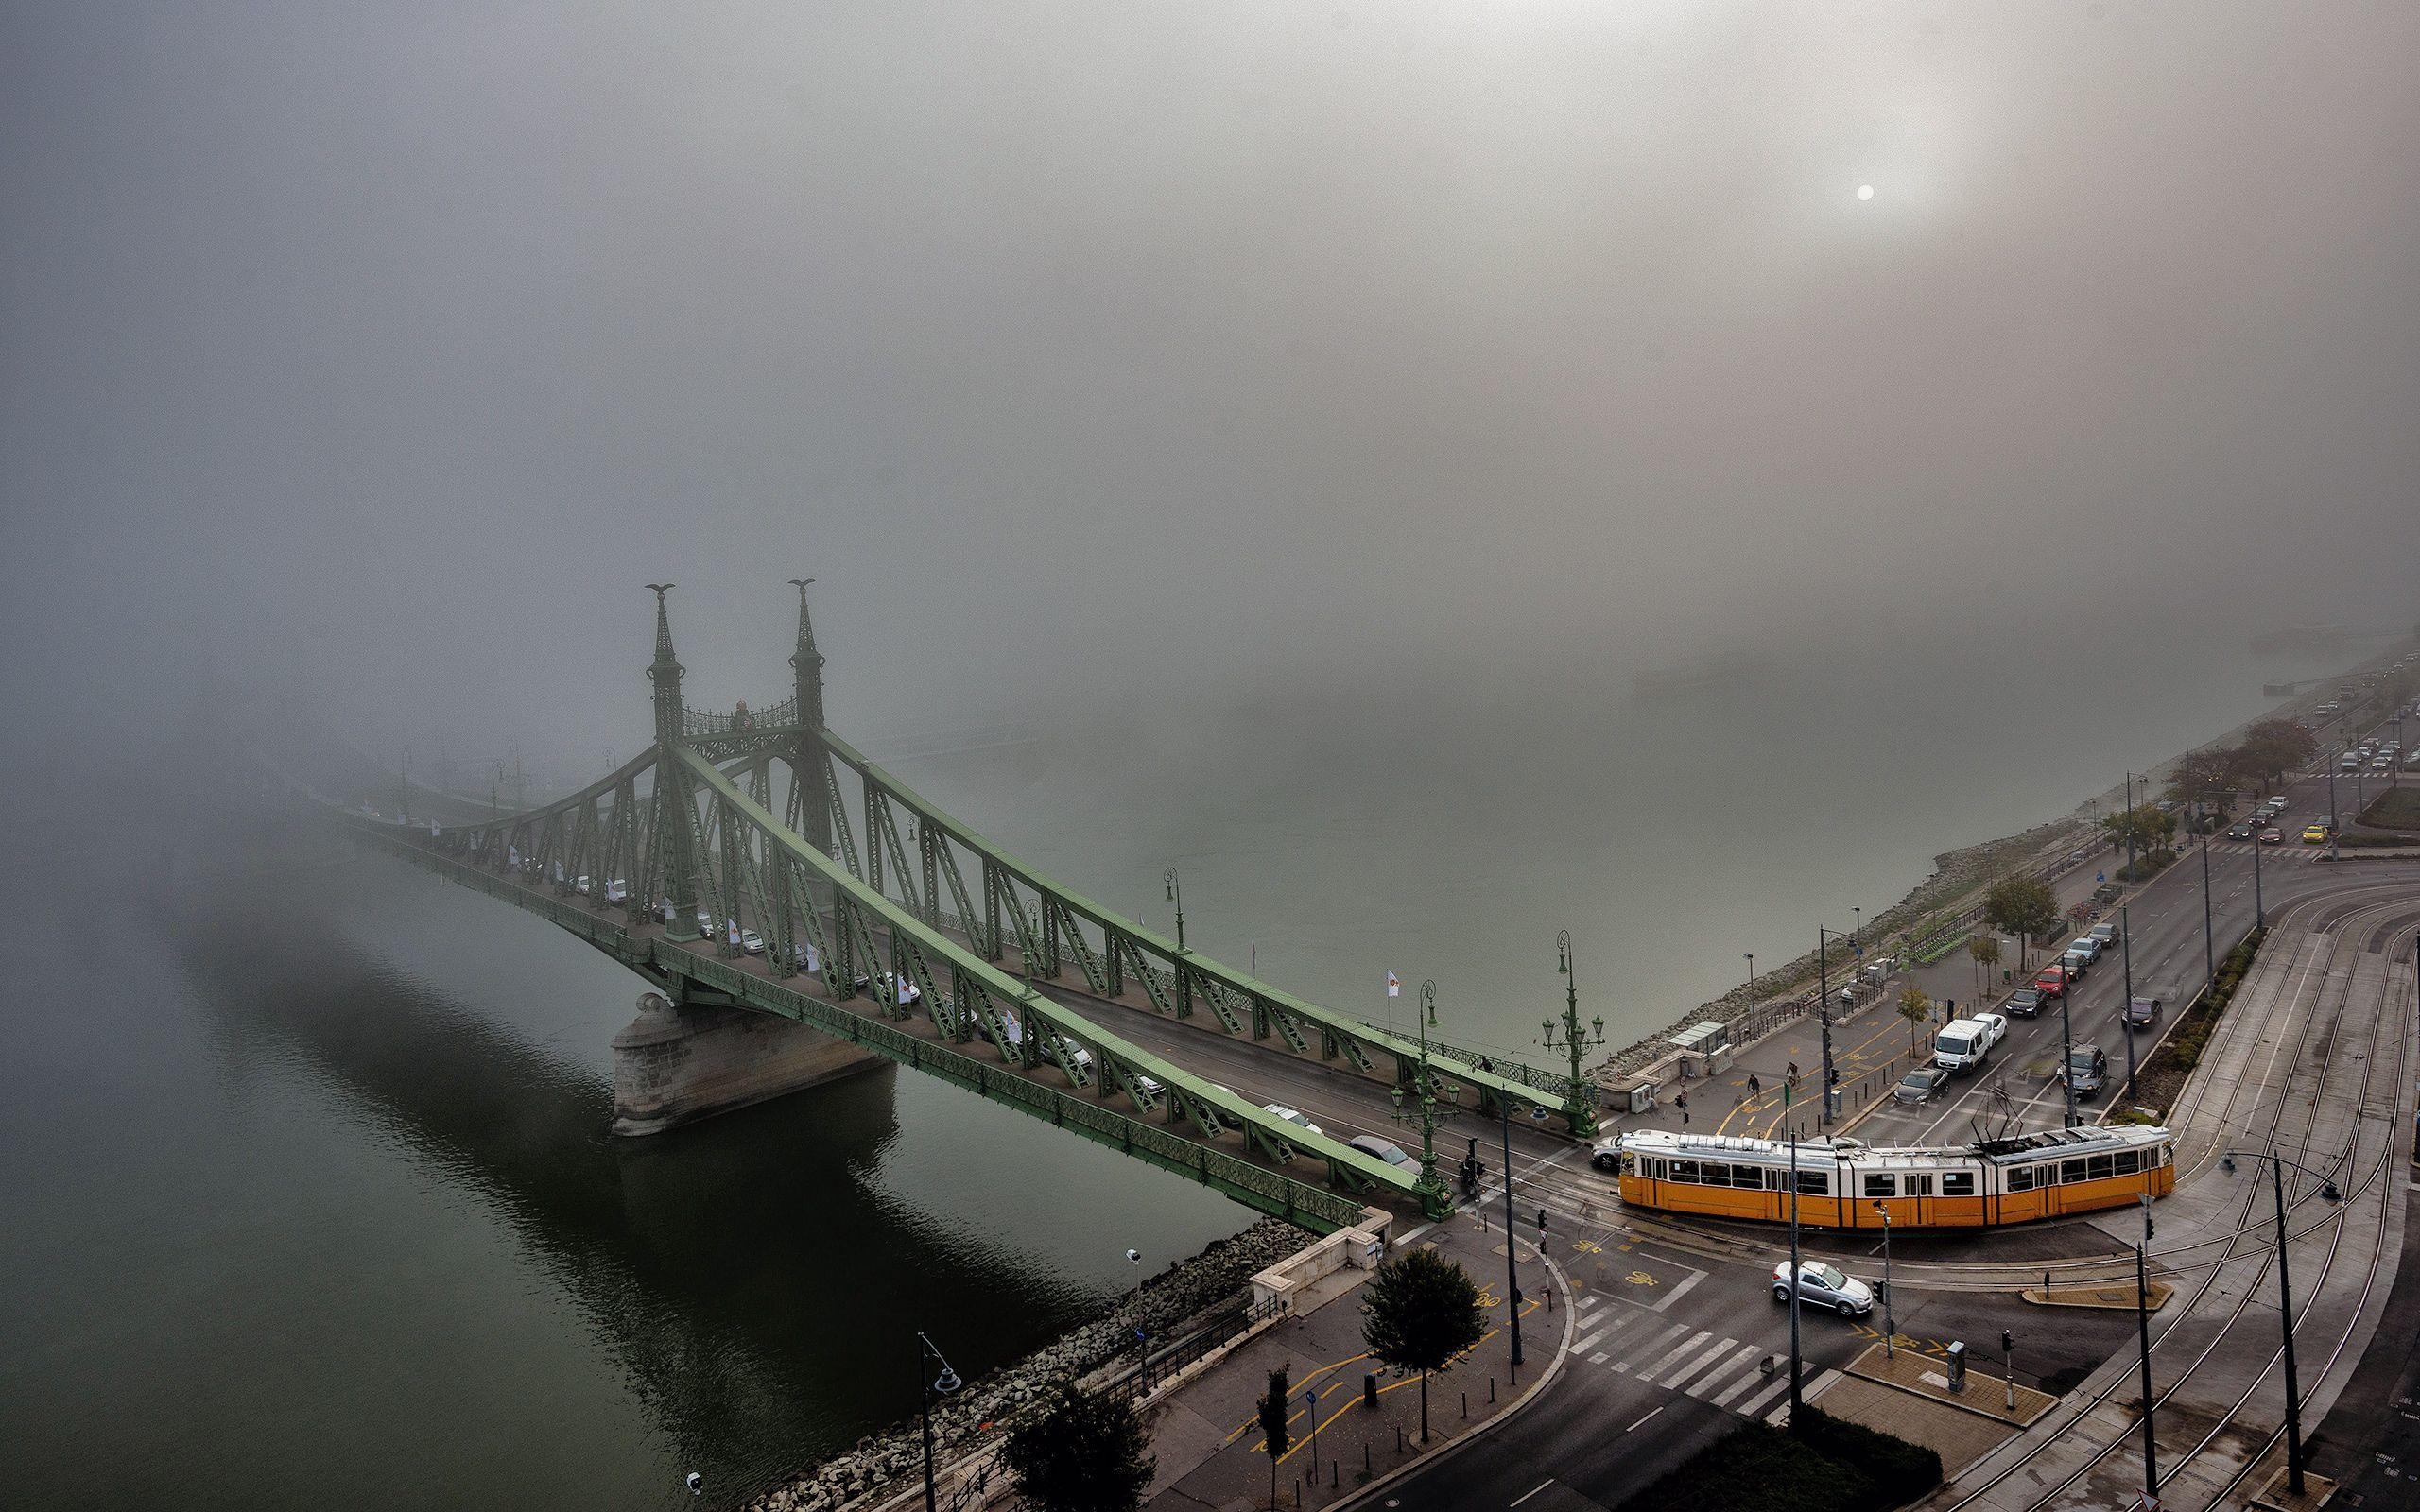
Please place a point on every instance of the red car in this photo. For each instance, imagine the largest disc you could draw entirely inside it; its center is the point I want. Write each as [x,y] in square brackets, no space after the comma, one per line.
[2052,983]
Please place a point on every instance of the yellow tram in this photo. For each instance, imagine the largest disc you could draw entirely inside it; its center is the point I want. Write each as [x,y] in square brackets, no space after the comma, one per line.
[1842,1183]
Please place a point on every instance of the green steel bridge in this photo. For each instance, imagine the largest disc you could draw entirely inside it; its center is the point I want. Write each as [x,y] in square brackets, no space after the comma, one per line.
[669,863]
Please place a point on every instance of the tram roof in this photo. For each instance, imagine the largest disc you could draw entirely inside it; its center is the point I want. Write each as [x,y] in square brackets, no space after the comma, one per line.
[2015,1147]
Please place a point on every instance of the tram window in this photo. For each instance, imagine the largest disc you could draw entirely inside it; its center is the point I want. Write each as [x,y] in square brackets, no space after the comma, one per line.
[1882,1184]
[2102,1166]
[1748,1177]
[2127,1162]
[1772,1180]
[1957,1183]
[1917,1184]
[1815,1183]
[2071,1170]
[2021,1177]
[1685,1170]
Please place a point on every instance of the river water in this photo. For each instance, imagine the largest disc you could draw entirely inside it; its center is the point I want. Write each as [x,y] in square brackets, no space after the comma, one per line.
[307,1187]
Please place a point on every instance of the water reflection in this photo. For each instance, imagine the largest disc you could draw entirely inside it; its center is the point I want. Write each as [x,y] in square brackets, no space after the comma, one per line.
[753,1284]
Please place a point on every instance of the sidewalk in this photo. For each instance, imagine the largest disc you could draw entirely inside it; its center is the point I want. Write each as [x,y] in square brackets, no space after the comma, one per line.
[1207,1432]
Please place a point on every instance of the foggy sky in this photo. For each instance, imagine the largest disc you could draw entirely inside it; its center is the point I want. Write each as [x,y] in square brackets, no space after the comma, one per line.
[1109,354]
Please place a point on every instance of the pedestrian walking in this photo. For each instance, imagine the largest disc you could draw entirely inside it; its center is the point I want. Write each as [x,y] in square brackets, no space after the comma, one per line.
[1681,1100]
[1793,1071]
[1756,1088]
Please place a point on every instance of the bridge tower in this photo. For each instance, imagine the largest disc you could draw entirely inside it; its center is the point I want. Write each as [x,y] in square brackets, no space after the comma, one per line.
[676,804]
[811,769]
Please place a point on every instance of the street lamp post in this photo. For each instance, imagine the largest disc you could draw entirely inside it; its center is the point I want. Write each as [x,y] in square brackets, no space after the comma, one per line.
[2126,1007]
[930,1385]
[1432,1194]
[2129,827]
[1824,1012]
[1577,1109]
[2143,1335]
[2210,929]
[1175,896]
[2259,905]
[2331,812]
[1890,1318]
[1752,967]
[1793,1283]
[1142,1339]
[2067,1042]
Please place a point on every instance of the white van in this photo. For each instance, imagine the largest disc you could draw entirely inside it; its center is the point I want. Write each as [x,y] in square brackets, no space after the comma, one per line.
[1961,1046]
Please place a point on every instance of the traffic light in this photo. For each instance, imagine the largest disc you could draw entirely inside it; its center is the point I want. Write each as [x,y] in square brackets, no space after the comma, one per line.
[2008,1342]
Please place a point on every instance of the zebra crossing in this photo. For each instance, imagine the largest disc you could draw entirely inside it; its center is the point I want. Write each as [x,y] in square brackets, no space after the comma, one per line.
[1715,1368]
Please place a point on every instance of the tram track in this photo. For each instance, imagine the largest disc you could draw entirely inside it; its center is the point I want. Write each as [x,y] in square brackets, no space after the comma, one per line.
[2381,1163]
[1572,1193]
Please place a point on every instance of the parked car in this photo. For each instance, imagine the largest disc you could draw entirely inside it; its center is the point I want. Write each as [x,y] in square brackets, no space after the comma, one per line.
[2052,982]
[2087,947]
[1922,1085]
[2087,1069]
[2142,1012]
[1993,1024]
[1373,1146]
[1822,1285]
[2025,1001]
[1291,1116]
[2105,934]
[2077,962]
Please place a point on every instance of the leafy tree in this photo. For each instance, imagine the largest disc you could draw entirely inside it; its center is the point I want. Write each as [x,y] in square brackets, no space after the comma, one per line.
[1280,1435]
[1083,1454]
[2021,906]
[2275,746]
[1915,1007]
[1421,1312]
[1986,950]
[2145,824]
[2208,776]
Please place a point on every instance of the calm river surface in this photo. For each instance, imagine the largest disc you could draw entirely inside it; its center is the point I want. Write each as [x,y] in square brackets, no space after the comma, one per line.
[308,1192]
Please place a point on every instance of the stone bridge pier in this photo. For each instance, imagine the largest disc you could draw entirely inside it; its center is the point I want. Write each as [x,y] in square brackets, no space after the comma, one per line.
[681,1062]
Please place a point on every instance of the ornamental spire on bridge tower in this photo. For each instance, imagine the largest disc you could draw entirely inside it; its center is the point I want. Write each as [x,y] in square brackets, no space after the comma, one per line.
[812,765]
[676,804]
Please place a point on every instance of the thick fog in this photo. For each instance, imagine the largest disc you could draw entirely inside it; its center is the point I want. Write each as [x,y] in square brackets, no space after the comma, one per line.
[1091,355]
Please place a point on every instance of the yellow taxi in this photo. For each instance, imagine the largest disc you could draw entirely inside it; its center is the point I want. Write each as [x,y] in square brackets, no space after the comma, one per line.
[2316,834]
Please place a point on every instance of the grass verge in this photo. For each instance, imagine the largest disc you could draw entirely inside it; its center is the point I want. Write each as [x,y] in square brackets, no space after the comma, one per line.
[1826,1464]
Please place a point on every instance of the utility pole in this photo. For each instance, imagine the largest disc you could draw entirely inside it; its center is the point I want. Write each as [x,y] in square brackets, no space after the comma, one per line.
[1511,1239]
[928,1386]
[2143,1335]
[1889,1315]
[2210,929]
[2067,1043]
[2126,1008]
[2129,827]
[1793,1283]
[1824,1008]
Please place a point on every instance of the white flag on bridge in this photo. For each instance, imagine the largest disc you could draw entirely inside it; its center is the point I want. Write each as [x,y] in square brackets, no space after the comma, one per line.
[1394,988]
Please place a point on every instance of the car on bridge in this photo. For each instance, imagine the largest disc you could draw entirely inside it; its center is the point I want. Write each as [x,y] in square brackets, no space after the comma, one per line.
[751,943]
[1371,1144]
[617,891]
[1822,1285]
[1291,1116]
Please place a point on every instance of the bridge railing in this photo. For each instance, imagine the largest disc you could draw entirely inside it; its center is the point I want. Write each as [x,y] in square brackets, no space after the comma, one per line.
[1280,1194]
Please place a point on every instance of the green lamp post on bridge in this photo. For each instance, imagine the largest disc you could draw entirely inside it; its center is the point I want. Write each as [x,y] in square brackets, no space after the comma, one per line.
[1423,1108]
[1576,1041]
[1175,896]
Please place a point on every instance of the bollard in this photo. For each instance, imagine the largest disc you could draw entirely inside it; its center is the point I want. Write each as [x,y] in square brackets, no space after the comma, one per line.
[1466,1404]
[1335,1473]
[1398,1439]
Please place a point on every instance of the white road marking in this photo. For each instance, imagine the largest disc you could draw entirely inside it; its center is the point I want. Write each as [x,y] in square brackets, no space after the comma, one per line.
[1597,1358]
[1664,1363]
[1590,1342]
[1532,1492]
[1738,1386]
[1756,1402]
[1721,1350]
[1635,1427]
[1695,1275]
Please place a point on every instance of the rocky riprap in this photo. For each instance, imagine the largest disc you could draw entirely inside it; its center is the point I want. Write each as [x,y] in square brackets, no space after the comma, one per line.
[1170,1303]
